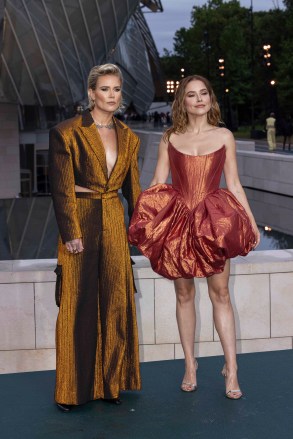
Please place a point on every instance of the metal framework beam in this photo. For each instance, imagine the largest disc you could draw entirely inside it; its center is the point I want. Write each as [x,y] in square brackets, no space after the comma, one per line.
[41,50]
[23,57]
[153,5]
[83,78]
[58,47]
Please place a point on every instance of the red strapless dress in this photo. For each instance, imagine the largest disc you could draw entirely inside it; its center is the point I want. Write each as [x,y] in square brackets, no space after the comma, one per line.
[189,229]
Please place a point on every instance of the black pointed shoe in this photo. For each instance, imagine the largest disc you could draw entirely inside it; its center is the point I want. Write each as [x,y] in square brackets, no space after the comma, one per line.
[64,407]
[116,401]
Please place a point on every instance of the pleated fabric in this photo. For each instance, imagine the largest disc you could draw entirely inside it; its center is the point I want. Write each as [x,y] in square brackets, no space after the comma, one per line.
[190,228]
[96,332]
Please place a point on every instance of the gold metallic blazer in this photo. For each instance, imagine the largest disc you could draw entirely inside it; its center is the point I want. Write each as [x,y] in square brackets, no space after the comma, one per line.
[77,157]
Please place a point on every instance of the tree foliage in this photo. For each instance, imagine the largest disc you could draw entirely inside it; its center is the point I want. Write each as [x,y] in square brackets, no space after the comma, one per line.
[237,34]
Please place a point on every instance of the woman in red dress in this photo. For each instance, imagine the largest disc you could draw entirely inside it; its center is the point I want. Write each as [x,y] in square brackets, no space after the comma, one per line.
[192,228]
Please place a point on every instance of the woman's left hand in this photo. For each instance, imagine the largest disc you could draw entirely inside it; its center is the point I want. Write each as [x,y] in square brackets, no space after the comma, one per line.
[257,234]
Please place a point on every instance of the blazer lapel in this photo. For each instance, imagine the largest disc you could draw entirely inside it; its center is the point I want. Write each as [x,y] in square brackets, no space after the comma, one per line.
[90,133]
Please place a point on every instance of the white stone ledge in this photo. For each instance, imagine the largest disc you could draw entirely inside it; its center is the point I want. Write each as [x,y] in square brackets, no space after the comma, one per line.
[42,270]
[260,287]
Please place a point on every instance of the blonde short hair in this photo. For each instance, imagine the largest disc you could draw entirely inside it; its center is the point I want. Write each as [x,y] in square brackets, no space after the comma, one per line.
[102,70]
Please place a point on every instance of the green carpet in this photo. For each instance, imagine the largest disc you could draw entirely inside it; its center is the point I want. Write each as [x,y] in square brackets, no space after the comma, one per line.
[160,410]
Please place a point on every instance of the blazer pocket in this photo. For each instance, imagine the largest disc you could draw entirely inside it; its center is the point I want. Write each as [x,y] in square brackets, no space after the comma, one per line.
[58,287]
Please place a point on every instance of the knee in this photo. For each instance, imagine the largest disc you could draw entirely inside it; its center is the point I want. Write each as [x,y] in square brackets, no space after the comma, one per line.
[220,295]
[185,294]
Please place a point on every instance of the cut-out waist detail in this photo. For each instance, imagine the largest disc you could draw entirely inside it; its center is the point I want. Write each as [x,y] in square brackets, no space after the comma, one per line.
[82,189]
[97,195]
[83,192]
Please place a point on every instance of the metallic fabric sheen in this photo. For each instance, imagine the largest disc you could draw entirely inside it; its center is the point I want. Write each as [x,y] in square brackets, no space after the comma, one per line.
[96,332]
[189,229]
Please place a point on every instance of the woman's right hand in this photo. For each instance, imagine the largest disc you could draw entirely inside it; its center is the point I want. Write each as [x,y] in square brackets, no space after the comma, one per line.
[75,246]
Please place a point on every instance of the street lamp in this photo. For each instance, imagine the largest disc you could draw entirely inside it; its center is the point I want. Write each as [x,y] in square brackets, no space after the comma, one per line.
[171,86]
[267,55]
[222,67]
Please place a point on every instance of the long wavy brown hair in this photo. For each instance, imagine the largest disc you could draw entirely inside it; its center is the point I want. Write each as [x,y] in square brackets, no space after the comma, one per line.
[179,113]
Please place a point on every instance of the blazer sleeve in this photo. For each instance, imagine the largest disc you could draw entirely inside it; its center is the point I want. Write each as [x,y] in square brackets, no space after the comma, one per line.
[131,185]
[62,183]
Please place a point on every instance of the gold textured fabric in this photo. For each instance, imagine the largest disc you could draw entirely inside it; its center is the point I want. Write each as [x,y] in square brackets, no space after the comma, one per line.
[190,228]
[96,332]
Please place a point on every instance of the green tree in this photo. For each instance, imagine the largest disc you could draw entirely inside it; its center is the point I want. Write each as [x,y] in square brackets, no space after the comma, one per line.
[219,30]
[284,62]
[226,30]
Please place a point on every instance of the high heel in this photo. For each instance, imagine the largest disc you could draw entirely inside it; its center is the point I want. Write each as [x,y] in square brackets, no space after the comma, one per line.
[232,393]
[189,387]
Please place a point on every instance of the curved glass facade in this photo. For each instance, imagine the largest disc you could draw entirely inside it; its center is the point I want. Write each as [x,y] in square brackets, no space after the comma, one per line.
[48,47]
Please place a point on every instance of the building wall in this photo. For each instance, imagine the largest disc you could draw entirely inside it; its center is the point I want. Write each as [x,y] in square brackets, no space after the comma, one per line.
[9,151]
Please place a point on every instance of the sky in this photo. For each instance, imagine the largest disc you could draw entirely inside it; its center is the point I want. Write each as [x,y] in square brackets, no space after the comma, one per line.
[177,14]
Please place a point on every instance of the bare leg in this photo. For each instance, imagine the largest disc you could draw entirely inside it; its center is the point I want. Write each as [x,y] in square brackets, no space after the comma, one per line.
[185,314]
[225,326]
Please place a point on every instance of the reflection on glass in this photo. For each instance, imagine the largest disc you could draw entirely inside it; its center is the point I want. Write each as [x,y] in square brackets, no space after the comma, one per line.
[273,240]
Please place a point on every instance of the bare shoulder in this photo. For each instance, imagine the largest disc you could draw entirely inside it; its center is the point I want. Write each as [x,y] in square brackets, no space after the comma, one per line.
[225,134]
[164,141]
[227,138]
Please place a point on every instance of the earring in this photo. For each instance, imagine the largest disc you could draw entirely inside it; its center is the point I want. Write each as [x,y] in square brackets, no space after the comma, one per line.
[92,102]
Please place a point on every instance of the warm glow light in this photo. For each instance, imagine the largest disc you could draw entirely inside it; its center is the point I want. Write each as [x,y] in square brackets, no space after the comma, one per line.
[221,60]
[268,228]
[227,90]
[273,82]
[182,70]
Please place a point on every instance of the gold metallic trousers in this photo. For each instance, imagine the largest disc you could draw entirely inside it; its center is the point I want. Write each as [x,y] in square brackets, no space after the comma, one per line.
[96,331]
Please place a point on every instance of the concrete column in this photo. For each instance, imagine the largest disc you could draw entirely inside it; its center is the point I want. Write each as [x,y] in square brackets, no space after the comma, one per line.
[9,151]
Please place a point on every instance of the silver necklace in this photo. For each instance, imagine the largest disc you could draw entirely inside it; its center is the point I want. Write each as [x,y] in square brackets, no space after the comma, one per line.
[109,125]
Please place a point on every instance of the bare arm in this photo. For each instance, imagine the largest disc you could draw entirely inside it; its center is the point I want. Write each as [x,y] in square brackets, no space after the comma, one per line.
[233,182]
[163,165]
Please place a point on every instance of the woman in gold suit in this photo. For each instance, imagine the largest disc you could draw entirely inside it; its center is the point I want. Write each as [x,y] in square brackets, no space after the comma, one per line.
[92,156]
[192,228]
